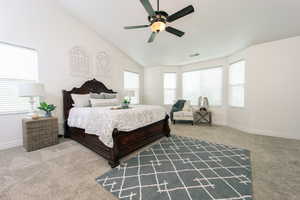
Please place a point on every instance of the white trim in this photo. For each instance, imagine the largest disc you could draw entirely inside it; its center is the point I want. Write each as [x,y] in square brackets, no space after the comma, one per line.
[219,123]
[11,144]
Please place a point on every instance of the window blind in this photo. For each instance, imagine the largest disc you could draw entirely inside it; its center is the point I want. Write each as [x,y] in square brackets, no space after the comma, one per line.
[169,88]
[205,83]
[132,82]
[18,65]
[237,84]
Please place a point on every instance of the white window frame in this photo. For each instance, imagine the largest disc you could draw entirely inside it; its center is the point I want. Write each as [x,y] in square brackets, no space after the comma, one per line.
[222,88]
[137,90]
[172,89]
[230,85]
[20,81]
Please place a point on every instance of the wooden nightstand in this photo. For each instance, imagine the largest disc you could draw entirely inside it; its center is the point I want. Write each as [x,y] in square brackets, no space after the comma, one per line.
[202,117]
[39,133]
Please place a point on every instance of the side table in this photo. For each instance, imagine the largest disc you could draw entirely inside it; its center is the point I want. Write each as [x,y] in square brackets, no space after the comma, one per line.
[39,133]
[203,117]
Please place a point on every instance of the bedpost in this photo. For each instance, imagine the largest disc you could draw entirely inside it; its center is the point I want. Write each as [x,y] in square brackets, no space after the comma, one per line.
[166,126]
[67,104]
[115,151]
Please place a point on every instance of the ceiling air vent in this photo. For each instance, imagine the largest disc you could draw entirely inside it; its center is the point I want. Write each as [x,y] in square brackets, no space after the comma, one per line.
[194,55]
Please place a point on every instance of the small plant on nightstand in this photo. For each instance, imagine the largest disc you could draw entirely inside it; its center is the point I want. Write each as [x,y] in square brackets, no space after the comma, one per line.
[125,103]
[48,108]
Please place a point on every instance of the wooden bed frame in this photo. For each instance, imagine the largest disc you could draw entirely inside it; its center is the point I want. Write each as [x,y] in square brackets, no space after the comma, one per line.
[123,142]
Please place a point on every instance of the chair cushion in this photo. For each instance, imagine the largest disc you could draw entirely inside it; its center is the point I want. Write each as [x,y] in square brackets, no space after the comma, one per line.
[183,114]
[178,114]
[188,114]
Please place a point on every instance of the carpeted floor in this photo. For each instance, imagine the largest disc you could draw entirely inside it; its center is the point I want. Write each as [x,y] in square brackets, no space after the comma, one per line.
[68,170]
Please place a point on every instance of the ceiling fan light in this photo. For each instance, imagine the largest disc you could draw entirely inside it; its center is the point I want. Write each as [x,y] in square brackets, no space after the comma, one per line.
[158,26]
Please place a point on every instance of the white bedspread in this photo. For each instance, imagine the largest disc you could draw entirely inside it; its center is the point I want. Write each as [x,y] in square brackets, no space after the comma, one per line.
[102,121]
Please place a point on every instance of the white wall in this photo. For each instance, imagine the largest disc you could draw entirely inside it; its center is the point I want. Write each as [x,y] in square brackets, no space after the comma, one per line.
[272,90]
[46,27]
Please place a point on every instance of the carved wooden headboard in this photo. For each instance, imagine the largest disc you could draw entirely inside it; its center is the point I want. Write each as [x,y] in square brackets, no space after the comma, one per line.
[91,86]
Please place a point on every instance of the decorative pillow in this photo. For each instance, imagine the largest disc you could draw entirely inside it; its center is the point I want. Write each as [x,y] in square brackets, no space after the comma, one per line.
[81,100]
[97,96]
[109,95]
[187,106]
[104,102]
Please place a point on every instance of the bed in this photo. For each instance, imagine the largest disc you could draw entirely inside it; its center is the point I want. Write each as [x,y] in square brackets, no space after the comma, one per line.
[123,142]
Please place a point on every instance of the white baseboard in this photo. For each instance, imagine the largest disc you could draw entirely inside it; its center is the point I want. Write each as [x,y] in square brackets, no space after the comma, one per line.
[263,132]
[10,144]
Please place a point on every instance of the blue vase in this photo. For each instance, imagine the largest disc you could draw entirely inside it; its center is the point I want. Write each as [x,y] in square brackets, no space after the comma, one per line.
[125,105]
[48,114]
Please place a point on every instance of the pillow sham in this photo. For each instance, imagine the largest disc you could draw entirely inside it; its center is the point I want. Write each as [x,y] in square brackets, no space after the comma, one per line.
[104,102]
[109,95]
[97,96]
[81,100]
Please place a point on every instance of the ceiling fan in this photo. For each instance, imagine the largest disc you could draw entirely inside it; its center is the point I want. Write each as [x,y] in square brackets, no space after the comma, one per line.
[159,19]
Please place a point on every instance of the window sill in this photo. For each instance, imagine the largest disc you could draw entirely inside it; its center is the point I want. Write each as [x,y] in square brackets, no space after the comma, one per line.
[14,113]
[237,107]
[221,106]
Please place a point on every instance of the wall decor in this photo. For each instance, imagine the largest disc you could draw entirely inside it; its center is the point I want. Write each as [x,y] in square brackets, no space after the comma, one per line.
[103,67]
[79,62]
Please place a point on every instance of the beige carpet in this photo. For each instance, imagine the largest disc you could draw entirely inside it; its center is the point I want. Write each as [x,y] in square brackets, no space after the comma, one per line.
[68,170]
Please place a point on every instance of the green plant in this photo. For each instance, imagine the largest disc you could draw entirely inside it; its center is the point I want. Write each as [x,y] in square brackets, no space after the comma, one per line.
[126,101]
[46,107]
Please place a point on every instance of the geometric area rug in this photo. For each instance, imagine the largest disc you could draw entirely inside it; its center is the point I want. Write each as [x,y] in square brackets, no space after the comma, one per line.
[182,168]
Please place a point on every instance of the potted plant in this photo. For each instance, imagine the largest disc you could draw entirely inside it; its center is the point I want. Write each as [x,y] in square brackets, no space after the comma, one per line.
[125,103]
[48,108]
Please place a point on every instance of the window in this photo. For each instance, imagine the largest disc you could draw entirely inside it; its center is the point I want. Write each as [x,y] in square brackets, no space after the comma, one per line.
[237,84]
[132,82]
[205,83]
[169,88]
[17,65]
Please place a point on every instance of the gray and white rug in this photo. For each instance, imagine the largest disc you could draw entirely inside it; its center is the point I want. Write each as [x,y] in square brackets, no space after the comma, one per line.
[182,168]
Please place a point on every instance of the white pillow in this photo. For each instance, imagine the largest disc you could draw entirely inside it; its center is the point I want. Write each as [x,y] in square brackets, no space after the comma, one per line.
[110,95]
[187,106]
[97,96]
[104,102]
[81,100]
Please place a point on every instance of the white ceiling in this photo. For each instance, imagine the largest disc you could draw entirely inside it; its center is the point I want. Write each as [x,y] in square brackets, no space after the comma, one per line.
[217,28]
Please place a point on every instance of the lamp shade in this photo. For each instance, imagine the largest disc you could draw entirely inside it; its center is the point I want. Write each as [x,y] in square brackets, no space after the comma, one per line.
[129,93]
[31,90]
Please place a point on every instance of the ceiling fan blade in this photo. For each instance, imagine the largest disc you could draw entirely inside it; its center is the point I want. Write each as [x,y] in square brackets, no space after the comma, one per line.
[174,31]
[181,13]
[148,7]
[152,37]
[135,27]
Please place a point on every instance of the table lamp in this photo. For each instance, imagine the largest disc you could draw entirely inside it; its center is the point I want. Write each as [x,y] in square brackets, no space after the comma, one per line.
[31,90]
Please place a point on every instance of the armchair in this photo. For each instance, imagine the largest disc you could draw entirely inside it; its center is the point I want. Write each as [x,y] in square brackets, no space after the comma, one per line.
[182,111]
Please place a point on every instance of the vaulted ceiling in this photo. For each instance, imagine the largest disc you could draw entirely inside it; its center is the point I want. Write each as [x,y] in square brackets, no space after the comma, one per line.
[217,28]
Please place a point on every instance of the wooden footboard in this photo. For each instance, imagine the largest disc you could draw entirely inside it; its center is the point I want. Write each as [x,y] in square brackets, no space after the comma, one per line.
[124,143]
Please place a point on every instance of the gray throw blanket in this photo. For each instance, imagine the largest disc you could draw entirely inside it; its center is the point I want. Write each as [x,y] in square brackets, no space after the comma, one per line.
[178,106]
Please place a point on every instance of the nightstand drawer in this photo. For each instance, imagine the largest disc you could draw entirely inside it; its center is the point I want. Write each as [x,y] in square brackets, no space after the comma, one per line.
[39,133]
